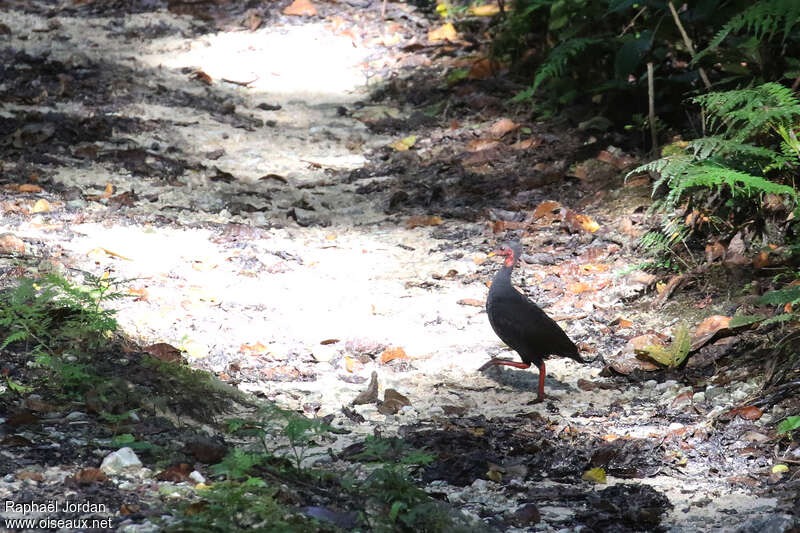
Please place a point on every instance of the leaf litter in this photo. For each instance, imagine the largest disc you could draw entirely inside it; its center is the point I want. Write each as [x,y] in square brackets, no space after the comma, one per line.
[271,279]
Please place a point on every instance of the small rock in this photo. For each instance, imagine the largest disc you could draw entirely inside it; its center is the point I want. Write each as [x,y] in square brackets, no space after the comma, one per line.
[120,460]
[699,397]
[650,384]
[714,392]
[769,524]
[527,515]
[76,415]
[197,477]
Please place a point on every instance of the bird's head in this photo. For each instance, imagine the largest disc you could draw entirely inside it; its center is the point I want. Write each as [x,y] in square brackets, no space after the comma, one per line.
[512,252]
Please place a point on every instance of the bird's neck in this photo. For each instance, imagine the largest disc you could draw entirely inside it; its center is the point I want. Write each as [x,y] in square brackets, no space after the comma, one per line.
[504,274]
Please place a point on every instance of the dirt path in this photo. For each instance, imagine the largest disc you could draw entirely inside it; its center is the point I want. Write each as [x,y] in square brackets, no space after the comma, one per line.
[254,247]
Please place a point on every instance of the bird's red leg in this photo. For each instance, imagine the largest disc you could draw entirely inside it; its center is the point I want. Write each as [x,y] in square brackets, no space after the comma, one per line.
[540,397]
[504,362]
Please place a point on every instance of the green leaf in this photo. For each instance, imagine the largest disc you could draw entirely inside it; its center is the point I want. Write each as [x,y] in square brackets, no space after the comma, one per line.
[396,508]
[790,423]
[738,321]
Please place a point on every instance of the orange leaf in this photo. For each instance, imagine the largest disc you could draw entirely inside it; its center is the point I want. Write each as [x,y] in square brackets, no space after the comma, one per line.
[761,260]
[254,349]
[750,412]
[526,144]
[423,220]
[595,267]
[445,32]
[477,145]
[577,288]
[301,8]
[471,301]
[546,208]
[502,127]
[390,354]
[486,10]
[29,187]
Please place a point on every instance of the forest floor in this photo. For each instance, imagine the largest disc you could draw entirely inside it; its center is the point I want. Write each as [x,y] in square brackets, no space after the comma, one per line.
[302,202]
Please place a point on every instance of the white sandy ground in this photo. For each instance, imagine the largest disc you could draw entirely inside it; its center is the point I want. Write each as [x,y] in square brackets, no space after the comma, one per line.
[352,280]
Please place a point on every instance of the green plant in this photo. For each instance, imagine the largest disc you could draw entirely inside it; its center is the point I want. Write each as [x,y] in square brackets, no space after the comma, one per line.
[59,324]
[230,507]
[301,433]
[788,425]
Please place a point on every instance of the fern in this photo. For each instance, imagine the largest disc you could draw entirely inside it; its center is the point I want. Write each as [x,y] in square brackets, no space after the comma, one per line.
[559,57]
[762,20]
[746,112]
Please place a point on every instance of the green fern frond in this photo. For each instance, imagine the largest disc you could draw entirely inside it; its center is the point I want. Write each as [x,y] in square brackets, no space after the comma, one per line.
[712,175]
[747,112]
[717,145]
[559,57]
[787,295]
[762,20]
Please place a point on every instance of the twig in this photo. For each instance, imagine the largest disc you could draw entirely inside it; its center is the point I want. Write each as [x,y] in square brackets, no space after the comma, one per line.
[689,45]
[652,103]
[633,20]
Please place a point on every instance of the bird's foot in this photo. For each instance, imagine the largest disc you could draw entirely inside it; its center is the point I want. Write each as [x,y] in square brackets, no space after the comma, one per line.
[503,362]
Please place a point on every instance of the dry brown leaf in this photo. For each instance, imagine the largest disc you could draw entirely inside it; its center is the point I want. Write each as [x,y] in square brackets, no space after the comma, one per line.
[639,181]
[502,127]
[300,8]
[90,475]
[576,222]
[141,294]
[546,209]
[10,243]
[423,220]
[445,32]
[598,267]
[29,187]
[714,251]
[32,475]
[477,145]
[390,354]
[370,395]
[482,69]
[750,412]
[164,352]
[579,287]
[761,260]
[526,144]
[326,342]
[471,302]
[709,328]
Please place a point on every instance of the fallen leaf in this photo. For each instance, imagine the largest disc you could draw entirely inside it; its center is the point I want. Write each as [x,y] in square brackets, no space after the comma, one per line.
[88,476]
[10,243]
[423,220]
[579,287]
[393,401]
[708,329]
[254,349]
[390,354]
[29,187]
[672,355]
[24,475]
[328,341]
[485,10]
[476,145]
[750,412]
[175,473]
[526,144]
[164,352]
[471,302]
[445,32]
[761,260]
[714,251]
[482,69]
[502,127]
[370,395]
[546,209]
[300,8]
[351,365]
[595,475]
[575,222]
[100,252]
[404,144]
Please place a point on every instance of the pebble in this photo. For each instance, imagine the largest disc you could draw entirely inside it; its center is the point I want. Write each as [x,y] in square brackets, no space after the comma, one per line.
[699,397]
[197,477]
[120,460]
[76,415]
